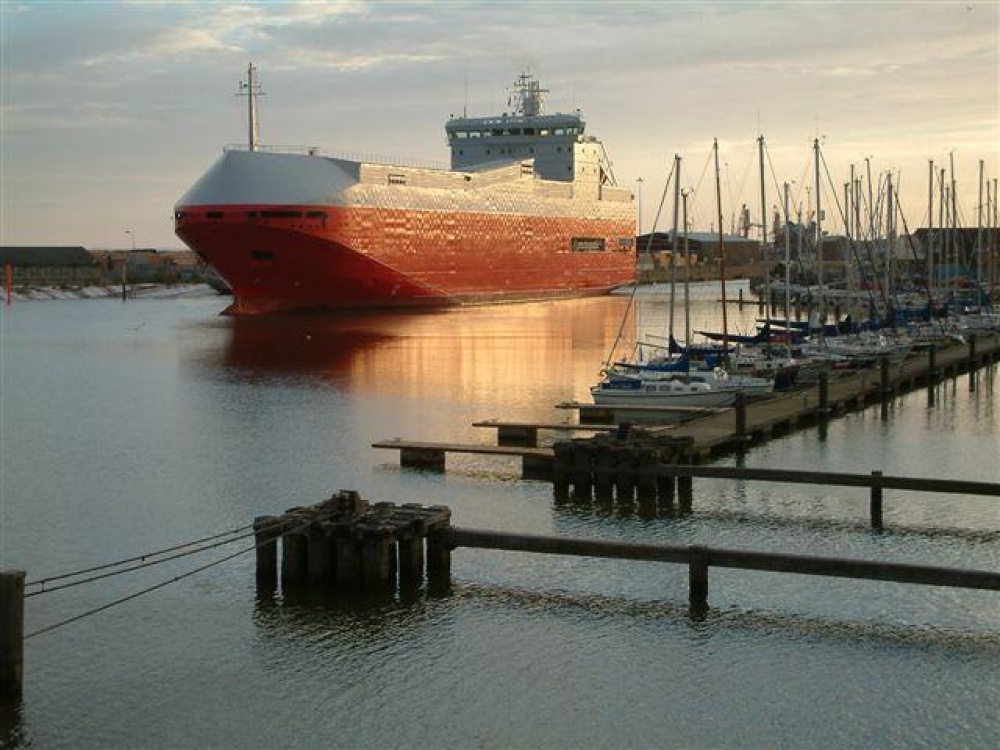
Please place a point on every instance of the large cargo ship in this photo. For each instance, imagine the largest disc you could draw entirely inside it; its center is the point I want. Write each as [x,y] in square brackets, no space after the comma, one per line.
[528,210]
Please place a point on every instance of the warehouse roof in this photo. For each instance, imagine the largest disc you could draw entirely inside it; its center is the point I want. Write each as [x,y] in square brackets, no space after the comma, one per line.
[27,257]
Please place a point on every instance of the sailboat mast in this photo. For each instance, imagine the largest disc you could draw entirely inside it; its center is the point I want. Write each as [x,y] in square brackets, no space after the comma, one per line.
[788,271]
[994,250]
[763,232]
[890,238]
[930,228]
[687,274]
[676,243]
[979,240]
[945,234]
[722,247]
[819,234]
[849,235]
[955,251]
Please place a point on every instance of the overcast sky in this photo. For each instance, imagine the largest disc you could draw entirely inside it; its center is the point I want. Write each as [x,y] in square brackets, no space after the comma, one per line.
[110,110]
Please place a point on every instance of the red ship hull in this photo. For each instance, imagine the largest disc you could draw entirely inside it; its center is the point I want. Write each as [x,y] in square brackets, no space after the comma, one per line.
[280,258]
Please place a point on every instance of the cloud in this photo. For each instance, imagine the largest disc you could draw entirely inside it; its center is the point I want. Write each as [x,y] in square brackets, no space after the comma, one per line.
[652,78]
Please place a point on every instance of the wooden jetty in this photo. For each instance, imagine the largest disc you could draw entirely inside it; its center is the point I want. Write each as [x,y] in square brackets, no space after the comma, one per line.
[526,433]
[346,544]
[712,432]
[536,463]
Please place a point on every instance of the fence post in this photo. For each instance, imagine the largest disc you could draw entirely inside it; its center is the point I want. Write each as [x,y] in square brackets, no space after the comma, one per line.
[438,551]
[824,392]
[698,579]
[11,633]
[741,415]
[876,500]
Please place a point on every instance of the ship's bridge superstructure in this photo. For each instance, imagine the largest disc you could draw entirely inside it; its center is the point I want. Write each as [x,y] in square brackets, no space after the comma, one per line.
[526,133]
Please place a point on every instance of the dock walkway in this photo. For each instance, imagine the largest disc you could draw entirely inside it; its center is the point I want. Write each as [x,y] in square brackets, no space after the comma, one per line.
[710,432]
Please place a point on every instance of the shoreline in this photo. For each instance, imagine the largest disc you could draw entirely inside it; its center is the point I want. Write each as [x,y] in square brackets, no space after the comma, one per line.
[134,291]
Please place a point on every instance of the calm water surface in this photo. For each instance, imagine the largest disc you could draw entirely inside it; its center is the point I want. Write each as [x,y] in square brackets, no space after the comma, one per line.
[130,428]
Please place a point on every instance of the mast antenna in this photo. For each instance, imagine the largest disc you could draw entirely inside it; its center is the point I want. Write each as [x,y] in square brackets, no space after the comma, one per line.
[251,90]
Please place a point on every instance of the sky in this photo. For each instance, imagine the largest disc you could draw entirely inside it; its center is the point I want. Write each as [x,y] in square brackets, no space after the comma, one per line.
[109,111]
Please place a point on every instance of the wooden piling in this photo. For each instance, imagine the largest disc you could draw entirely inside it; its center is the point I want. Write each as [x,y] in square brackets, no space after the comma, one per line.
[645,484]
[883,366]
[604,477]
[348,567]
[266,530]
[583,453]
[438,549]
[294,558]
[321,557]
[932,373]
[685,494]
[624,475]
[11,634]
[562,463]
[378,570]
[665,490]
[411,558]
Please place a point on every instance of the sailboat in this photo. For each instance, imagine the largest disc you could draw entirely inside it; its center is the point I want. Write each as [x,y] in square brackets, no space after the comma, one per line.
[677,379]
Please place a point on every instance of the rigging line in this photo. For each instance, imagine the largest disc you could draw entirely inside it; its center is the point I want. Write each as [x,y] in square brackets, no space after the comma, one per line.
[649,245]
[161,584]
[742,176]
[913,251]
[833,189]
[704,171]
[778,190]
[140,566]
[43,581]
[802,184]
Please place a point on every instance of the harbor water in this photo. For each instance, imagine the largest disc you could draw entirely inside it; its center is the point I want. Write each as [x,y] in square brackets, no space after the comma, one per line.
[133,427]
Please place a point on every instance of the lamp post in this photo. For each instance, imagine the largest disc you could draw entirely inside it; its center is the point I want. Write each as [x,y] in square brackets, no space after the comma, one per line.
[638,192]
[131,234]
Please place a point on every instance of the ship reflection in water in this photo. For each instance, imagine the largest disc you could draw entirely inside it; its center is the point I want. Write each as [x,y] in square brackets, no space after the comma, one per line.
[506,354]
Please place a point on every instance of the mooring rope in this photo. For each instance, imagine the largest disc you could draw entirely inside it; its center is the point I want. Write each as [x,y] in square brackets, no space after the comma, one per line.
[305,524]
[141,558]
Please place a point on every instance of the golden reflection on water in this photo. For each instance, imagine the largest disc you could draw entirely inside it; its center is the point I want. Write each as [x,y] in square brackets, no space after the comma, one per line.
[529,354]
[503,353]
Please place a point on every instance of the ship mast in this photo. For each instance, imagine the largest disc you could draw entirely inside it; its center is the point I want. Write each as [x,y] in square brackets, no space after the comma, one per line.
[526,97]
[251,90]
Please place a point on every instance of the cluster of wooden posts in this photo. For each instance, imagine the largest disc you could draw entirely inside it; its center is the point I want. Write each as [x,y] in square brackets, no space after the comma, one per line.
[344,542]
[616,469]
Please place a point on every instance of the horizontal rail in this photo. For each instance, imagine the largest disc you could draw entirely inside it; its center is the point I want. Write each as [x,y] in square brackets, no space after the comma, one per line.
[790,476]
[726,558]
[497,450]
[569,426]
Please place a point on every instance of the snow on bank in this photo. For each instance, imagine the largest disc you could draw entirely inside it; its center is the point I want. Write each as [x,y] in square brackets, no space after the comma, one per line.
[137,291]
